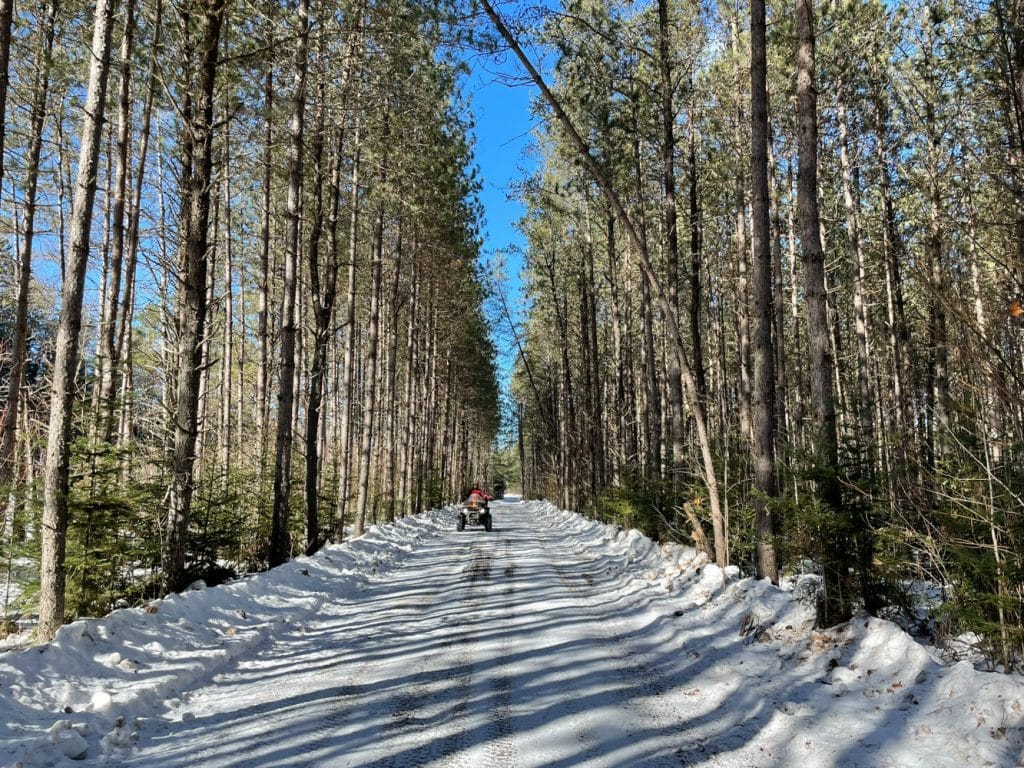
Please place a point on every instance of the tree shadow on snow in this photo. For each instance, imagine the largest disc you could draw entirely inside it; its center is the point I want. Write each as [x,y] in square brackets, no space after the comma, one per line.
[475,651]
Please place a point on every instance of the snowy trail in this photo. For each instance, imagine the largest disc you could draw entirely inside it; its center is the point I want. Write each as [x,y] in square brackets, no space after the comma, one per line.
[552,641]
[501,649]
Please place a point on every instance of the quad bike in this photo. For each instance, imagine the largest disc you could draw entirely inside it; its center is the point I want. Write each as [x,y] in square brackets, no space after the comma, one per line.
[474,512]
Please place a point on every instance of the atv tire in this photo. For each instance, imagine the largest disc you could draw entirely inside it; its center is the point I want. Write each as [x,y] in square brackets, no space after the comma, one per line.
[461,525]
[487,522]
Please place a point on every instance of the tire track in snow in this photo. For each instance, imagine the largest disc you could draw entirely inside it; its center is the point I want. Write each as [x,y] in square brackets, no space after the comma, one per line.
[498,650]
[350,694]
[501,749]
[425,719]
[424,724]
[481,731]
[639,689]
[346,697]
[494,745]
[339,685]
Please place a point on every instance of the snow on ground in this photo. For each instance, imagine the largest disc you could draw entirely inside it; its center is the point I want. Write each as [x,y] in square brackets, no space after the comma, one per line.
[551,641]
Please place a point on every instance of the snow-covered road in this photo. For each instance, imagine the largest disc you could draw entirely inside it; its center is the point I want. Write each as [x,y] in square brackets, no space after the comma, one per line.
[483,650]
[552,641]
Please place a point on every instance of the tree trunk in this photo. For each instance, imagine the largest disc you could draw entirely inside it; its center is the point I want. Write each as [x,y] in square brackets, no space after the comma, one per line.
[124,343]
[938,352]
[322,295]
[280,540]
[325,296]
[107,348]
[191,295]
[898,333]
[668,203]
[348,363]
[696,260]
[866,437]
[370,371]
[652,387]
[865,406]
[19,344]
[6,24]
[412,367]
[651,417]
[57,470]
[625,449]
[799,407]
[597,428]
[838,595]
[742,301]
[390,378]
[263,309]
[207,339]
[763,445]
[779,299]
[228,350]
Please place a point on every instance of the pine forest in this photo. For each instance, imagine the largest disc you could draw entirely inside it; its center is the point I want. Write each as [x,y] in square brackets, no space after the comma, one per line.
[770,301]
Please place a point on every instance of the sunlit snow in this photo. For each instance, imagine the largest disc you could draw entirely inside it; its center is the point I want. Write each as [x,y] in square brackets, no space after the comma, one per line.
[552,641]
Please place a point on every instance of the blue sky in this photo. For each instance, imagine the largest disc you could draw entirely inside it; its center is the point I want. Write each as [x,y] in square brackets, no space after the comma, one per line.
[502,118]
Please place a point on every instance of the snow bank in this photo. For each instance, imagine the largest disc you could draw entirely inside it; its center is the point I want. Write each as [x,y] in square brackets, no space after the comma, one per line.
[674,566]
[98,676]
[865,684]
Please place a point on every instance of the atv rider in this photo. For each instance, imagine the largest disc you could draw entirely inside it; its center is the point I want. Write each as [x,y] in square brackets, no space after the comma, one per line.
[475,509]
[478,495]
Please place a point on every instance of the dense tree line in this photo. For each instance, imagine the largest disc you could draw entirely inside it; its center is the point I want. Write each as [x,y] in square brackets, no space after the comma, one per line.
[249,317]
[775,261]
